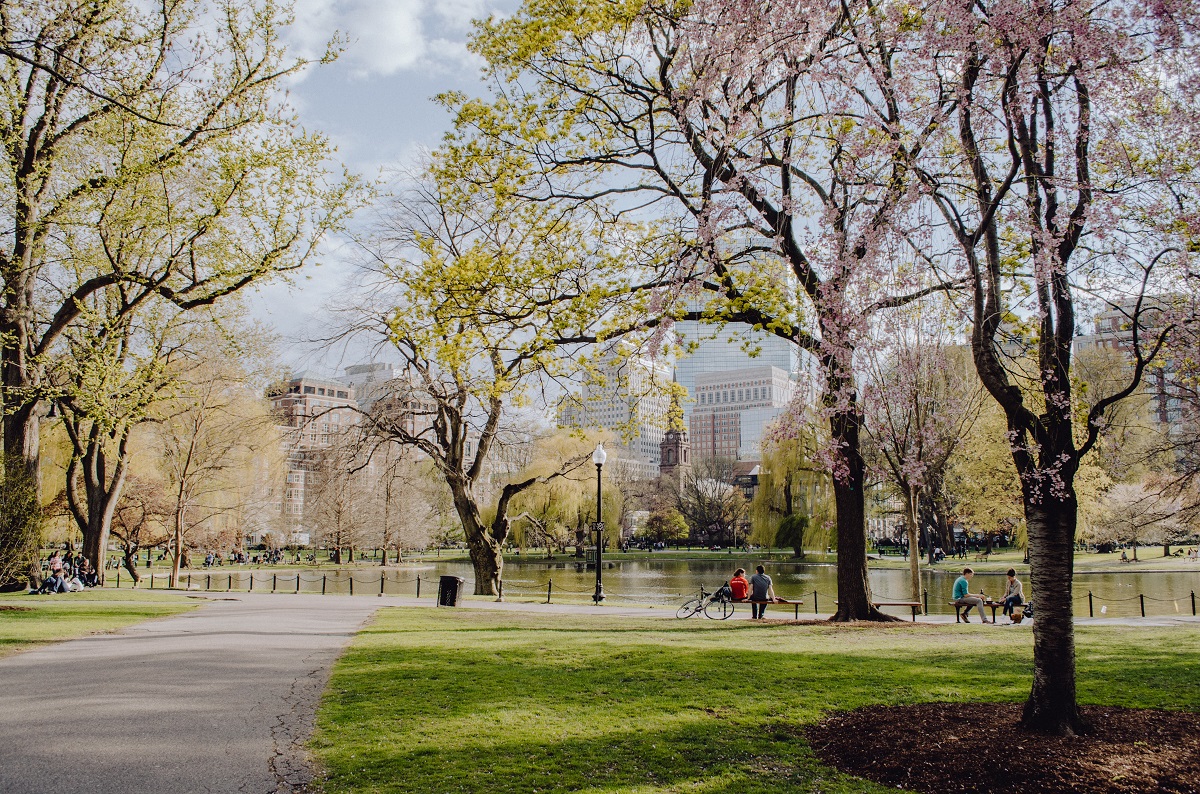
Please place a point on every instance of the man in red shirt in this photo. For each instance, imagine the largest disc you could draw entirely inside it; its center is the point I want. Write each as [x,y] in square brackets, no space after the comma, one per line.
[738,585]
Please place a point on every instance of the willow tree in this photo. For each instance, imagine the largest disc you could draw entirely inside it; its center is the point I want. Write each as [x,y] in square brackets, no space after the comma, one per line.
[774,139]
[147,151]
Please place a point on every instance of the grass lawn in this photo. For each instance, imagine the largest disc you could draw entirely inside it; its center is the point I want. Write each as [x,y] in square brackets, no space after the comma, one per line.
[28,621]
[478,701]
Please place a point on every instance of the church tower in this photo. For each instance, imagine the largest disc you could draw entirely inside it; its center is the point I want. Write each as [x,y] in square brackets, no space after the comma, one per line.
[675,453]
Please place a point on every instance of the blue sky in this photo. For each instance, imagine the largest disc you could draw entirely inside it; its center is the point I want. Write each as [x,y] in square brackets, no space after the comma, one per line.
[375,104]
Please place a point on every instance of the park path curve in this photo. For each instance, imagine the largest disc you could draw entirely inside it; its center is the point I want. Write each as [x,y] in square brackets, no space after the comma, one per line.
[220,699]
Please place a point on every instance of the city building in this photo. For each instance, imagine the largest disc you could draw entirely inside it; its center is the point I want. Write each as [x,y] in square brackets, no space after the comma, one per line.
[314,412]
[627,395]
[731,409]
[1112,329]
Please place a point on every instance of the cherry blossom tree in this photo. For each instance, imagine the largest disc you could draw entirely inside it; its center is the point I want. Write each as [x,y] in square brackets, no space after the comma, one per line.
[774,140]
[1064,179]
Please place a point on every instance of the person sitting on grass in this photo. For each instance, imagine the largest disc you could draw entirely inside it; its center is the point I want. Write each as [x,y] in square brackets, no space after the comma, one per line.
[964,598]
[1014,594]
[738,586]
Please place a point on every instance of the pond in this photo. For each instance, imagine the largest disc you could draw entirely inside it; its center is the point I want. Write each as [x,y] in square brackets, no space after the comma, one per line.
[669,581]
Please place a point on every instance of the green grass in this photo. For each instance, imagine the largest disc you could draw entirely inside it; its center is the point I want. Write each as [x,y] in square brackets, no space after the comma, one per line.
[29,621]
[502,702]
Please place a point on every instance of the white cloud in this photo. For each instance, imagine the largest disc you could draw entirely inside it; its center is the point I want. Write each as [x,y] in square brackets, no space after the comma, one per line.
[384,38]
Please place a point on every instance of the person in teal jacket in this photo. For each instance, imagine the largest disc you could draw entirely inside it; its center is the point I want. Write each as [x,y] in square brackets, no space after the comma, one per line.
[963,596]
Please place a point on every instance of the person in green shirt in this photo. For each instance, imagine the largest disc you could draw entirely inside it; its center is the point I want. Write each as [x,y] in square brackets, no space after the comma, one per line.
[963,596]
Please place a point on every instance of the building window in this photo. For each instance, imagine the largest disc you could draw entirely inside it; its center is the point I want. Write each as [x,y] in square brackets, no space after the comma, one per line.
[309,390]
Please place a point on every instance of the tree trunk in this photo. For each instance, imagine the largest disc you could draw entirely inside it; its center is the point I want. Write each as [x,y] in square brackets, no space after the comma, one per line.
[1051,705]
[488,561]
[914,559]
[854,590]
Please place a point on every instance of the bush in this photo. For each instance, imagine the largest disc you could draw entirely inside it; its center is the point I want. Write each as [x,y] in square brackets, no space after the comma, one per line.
[20,522]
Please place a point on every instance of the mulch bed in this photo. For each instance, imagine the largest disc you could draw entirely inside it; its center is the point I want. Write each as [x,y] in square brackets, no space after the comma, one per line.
[13,608]
[977,747]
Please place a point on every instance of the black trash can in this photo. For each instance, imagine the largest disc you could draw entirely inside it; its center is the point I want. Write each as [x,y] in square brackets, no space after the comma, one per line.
[449,591]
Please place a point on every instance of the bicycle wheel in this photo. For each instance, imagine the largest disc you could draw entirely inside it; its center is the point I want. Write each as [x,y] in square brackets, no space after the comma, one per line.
[718,609]
[689,608]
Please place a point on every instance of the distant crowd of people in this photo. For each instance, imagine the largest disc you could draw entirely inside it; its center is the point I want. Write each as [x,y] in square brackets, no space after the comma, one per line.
[65,573]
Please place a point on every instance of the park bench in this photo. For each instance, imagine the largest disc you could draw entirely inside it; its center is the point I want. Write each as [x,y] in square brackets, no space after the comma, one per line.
[962,610]
[981,556]
[776,602]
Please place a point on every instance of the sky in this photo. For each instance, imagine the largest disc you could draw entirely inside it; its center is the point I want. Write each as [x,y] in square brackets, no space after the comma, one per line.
[375,104]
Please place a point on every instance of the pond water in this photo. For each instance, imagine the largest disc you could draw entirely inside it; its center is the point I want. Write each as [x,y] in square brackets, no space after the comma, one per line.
[669,581]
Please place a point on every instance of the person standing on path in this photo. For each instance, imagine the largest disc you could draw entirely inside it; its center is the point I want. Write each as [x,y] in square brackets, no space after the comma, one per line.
[761,589]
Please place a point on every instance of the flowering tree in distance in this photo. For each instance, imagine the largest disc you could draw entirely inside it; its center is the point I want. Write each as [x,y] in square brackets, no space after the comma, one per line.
[773,139]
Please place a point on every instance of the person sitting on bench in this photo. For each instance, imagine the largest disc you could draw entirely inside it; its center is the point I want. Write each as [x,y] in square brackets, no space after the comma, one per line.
[762,591]
[1014,594]
[963,597]
[738,585]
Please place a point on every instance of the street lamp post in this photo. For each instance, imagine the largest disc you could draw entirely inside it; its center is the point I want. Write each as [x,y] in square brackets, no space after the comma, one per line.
[598,457]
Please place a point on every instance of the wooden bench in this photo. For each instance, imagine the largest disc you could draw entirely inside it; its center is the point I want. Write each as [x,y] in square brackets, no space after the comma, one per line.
[777,601]
[913,605]
[961,611]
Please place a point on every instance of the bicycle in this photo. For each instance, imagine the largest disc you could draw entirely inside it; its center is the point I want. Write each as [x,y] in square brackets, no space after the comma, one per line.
[715,606]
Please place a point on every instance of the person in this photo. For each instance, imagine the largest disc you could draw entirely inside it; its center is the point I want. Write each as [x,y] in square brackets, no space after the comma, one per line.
[964,598]
[738,585]
[761,589]
[1014,594]
[56,563]
[1124,557]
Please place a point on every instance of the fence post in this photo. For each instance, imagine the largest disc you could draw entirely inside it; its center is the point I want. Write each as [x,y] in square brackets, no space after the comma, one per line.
[119,587]
[418,585]
[323,583]
[1193,601]
[352,583]
[815,610]
[229,584]
[189,581]
[1142,599]
[1091,614]
[925,598]
[274,581]
[250,589]
[382,579]
[550,589]
[208,581]
[297,582]
[151,581]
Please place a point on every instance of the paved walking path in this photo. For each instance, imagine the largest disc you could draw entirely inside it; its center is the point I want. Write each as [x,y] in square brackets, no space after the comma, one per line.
[217,700]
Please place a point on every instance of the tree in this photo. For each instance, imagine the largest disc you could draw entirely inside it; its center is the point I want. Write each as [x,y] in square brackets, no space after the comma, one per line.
[772,139]
[147,153]
[340,503]
[792,481]
[921,401]
[140,521]
[1133,514]
[710,502]
[215,436]
[483,297]
[1058,175]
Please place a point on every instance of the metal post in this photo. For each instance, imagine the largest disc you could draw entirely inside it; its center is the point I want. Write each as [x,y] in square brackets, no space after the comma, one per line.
[550,589]
[1193,603]
[598,596]
[418,585]
[229,584]
[1142,599]
[382,579]
[250,589]
[189,581]
[351,584]
[151,581]
[274,581]
[323,583]
[119,587]
[208,581]
[815,609]
[925,598]
[1091,612]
